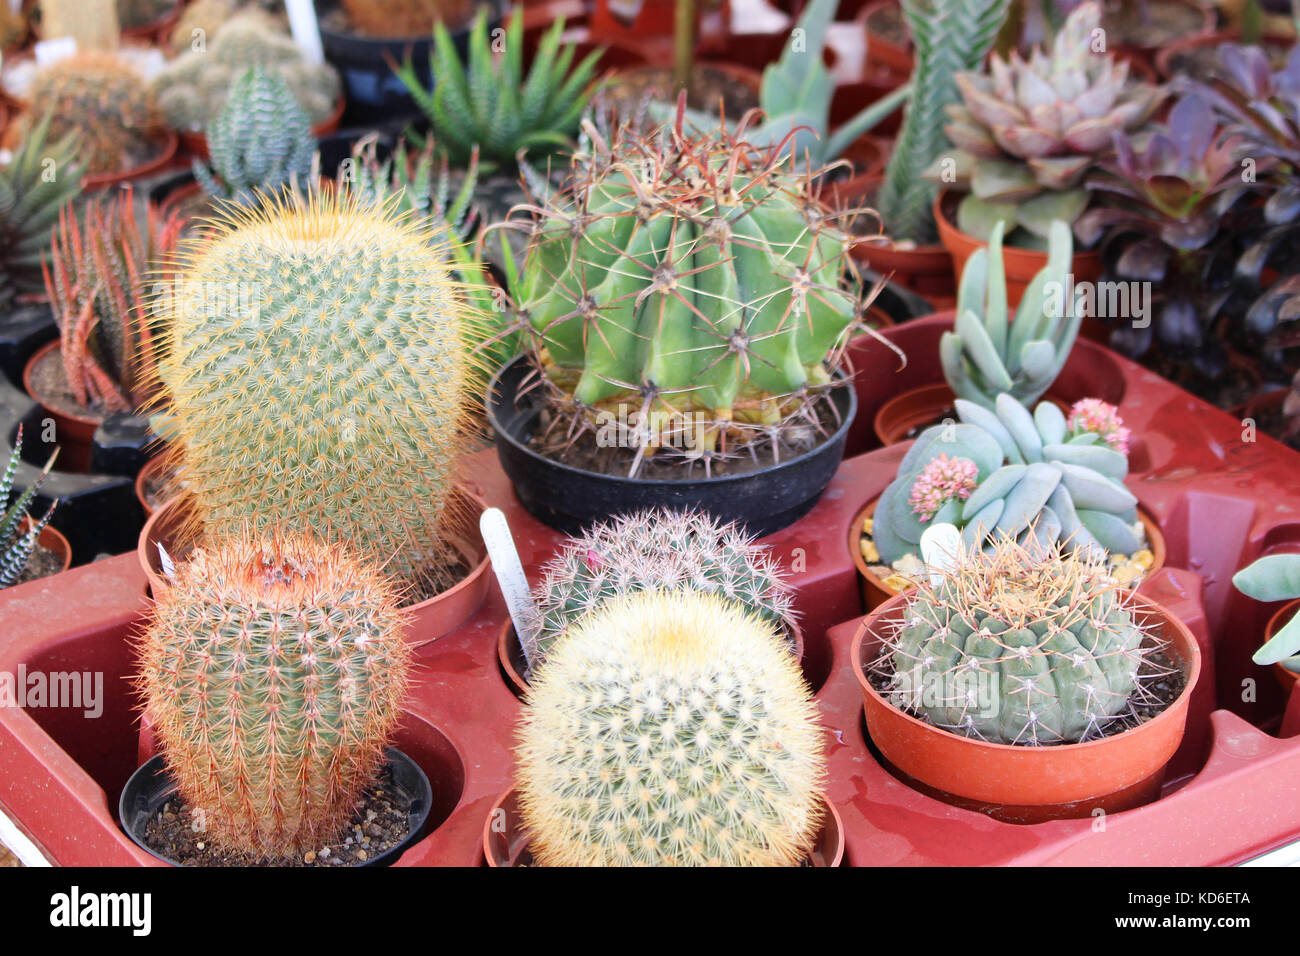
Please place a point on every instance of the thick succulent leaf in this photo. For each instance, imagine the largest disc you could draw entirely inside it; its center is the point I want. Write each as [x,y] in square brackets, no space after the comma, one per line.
[1112,533]
[988,422]
[1038,214]
[1050,422]
[1089,490]
[977,217]
[996,485]
[1099,458]
[1274,577]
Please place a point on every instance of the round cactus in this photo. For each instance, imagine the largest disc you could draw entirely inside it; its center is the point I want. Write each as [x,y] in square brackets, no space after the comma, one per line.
[1018,645]
[670,729]
[655,551]
[690,281]
[317,361]
[274,671]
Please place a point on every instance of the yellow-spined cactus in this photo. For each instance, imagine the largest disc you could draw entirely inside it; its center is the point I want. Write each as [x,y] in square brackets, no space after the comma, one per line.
[670,729]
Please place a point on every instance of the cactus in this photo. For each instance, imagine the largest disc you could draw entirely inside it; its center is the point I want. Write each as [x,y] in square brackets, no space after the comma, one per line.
[404,18]
[261,140]
[655,551]
[1018,645]
[96,279]
[1275,577]
[274,671]
[410,181]
[17,545]
[40,179]
[949,36]
[647,740]
[103,101]
[194,87]
[490,104]
[985,354]
[200,20]
[1034,478]
[692,279]
[346,410]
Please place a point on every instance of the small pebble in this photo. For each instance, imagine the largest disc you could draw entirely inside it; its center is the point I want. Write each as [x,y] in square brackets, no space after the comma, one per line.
[309,856]
[324,852]
[361,854]
[1144,559]
[869,552]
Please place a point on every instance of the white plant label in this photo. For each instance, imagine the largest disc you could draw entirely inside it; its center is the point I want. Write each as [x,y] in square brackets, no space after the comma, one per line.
[508,569]
[305,30]
[940,550]
[51,51]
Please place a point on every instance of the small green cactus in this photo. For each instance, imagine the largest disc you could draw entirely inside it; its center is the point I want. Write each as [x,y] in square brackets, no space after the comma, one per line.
[1275,577]
[274,672]
[419,183]
[17,545]
[670,729]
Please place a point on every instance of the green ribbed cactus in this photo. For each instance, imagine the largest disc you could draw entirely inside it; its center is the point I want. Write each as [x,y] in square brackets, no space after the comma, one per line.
[1018,645]
[17,545]
[261,141]
[1039,477]
[949,36]
[986,354]
[317,362]
[648,740]
[655,551]
[274,672]
[691,281]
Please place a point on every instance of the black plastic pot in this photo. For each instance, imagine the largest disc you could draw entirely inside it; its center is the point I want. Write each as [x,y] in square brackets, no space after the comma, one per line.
[151,786]
[570,499]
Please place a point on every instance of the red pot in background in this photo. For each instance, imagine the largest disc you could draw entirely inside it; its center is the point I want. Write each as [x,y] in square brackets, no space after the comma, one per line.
[73,432]
[1167,57]
[1286,677]
[168,143]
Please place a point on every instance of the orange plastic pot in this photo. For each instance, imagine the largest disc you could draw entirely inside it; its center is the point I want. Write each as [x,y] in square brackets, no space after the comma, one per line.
[51,539]
[505,841]
[1286,677]
[1029,784]
[195,142]
[148,472]
[168,145]
[920,408]
[73,432]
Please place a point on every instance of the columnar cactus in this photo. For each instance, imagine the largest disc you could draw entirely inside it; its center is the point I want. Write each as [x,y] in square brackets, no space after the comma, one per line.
[1018,645]
[655,551]
[345,410]
[691,280]
[1032,477]
[649,739]
[274,671]
[17,545]
[985,354]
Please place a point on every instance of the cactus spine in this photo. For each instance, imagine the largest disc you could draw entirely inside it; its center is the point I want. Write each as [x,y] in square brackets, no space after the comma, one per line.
[274,671]
[648,740]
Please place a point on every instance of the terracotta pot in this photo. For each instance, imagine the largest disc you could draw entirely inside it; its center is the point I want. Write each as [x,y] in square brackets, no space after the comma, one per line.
[510,655]
[926,270]
[875,592]
[1021,265]
[1167,56]
[73,431]
[868,154]
[168,141]
[920,408]
[1026,784]
[432,618]
[881,50]
[505,841]
[150,471]
[51,539]
[196,142]
[1286,677]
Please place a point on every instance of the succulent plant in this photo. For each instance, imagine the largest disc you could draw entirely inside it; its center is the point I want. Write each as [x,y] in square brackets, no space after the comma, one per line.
[274,671]
[1275,577]
[1018,645]
[346,411]
[646,740]
[98,276]
[1030,477]
[491,104]
[419,183]
[41,177]
[1028,131]
[17,545]
[654,551]
[985,354]
[693,280]
[199,20]
[193,88]
[103,101]
[949,36]
[404,18]
[260,142]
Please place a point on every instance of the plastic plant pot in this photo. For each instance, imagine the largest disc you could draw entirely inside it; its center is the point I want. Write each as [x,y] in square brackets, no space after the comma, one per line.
[505,841]
[150,787]
[1286,677]
[74,430]
[167,142]
[1024,784]
[52,540]
[569,499]
[152,471]
[918,408]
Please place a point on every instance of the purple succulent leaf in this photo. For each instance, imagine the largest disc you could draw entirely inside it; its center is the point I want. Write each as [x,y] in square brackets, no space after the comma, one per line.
[1284,205]
[1189,234]
[1125,158]
[1247,68]
[1191,126]
[1179,327]
[1143,261]
[985,105]
[1096,222]
[973,139]
[1132,341]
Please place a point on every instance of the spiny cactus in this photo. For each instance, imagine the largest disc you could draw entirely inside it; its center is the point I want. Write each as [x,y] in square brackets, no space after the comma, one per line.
[655,551]
[491,104]
[199,21]
[1018,645]
[693,280]
[346,410]
[986,354]
[96,278]
[404,18]
[103,101]
[274,672]
[40,179]
[1032,477]
[949,36]
[649,740]
[261,140]
[409,180]
[17,545]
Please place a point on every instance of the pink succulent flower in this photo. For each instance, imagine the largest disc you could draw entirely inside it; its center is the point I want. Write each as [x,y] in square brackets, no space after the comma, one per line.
[1094,415]
[942,480]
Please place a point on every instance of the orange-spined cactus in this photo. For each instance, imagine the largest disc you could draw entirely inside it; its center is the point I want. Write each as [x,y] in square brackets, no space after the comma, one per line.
[274,669]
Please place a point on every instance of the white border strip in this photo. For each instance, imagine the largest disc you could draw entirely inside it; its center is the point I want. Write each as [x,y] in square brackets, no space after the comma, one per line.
[17,842]
[1288,855]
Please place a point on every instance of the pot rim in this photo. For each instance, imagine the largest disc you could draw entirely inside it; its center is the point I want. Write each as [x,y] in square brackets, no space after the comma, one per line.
[28,369]
[1275,623]
[170,144]
[329,6]
[52,539]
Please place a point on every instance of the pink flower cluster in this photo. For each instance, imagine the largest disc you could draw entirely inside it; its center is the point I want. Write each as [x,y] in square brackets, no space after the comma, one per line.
[942,479]
[1094,415]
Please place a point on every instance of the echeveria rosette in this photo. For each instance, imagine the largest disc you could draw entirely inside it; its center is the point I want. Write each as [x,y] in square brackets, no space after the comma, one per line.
[1036,481]
[1275,577]
[1028,130]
